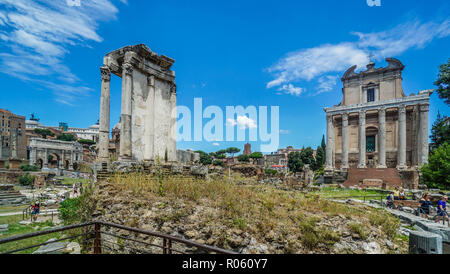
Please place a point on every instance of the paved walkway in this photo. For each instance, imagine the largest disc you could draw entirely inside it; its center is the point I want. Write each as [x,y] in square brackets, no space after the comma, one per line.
[418,222]
[48,211]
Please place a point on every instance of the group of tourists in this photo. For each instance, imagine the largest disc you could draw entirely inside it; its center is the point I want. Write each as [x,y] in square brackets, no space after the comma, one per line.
[425,206]
[396,195]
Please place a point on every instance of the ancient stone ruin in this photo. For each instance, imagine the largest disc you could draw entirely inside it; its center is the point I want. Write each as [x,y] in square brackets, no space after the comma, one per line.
[148,112]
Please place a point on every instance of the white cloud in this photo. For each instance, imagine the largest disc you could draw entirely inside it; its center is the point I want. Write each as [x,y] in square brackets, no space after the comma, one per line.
[291,89]
[243,122]
[40,33]
[285,131]
[326,83]
[318,62]
[216,144]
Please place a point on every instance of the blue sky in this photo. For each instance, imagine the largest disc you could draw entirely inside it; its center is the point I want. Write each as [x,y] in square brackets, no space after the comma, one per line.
[285,53]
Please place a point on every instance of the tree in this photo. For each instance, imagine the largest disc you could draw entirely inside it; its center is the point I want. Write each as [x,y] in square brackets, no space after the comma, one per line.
[218,163]
[323,144]
[243,158]
[320,158]
[205,158]
[232,150]
[295,163]
[443,82]
[440,132]
[256,155]
[307,155]
[436,174]
[66,137]
[44,132]
[86,142]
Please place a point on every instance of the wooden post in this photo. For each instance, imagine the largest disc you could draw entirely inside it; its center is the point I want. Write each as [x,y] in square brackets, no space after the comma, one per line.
[164,246]
[97,240]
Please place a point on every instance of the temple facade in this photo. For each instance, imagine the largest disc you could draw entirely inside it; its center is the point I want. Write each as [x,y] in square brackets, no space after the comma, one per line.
[376,125]
[148,110]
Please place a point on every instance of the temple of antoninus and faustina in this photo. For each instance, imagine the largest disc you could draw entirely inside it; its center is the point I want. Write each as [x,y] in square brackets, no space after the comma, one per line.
[376,125]
[148,112]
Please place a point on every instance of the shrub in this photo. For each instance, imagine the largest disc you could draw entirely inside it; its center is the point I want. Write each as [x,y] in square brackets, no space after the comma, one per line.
[269,171]
[218,163]
[26,179]
[66,137]
[68,210]
[29,168]
[86,142]
[243,158]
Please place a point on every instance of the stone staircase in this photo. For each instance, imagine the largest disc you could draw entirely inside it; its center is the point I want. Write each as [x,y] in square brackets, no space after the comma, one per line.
[356,176]
[12,198]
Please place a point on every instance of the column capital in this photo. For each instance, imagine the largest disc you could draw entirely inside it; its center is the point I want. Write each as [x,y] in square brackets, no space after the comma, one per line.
[106,73]
[362,114]
[127,68]
[345,116]
[424,107]
[151,80]
[402,109]
[329,118]
[382,110]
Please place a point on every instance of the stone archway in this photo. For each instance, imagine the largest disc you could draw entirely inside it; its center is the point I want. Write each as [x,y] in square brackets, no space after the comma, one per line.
[53,160]
[40,163]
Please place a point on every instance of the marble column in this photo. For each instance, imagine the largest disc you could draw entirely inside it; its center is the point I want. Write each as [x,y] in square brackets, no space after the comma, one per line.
[330,143]
[345,141]
[62,162]
[382,138]
[45,164]
[423,131]
[125,118]
[103,154]
[71,161]
[33,156]
[401,137]
[362,139]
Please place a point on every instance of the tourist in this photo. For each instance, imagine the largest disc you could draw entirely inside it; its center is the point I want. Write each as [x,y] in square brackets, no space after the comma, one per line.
[424,205]
[396,193]
[35,211]
[390,200]
[442,209]
[402,194]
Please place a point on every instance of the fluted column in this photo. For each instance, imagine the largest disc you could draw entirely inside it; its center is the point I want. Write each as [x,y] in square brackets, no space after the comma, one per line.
[125,119]
[423,131]
[330,143]
[401,137]
[362,139]
[103,154]
[382,138]
[345,140]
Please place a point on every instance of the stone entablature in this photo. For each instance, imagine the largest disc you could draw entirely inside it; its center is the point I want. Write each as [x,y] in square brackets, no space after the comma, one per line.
[148,111]
[67,153]
[381,133]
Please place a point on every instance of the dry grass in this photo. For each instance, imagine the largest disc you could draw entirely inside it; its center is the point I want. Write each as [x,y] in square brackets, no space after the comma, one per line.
[254,208]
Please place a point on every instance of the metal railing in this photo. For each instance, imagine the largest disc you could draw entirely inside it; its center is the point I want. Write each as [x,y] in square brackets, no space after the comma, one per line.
[364,198]
[93,232]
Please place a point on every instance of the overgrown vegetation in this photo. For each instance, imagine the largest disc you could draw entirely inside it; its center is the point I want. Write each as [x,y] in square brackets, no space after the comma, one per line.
[260,210]
[29,168]
[77,210]
[26,179]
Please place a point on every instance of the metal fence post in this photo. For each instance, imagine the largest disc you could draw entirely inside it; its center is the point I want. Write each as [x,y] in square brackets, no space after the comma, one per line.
[97,240]
[164,246]
[169,248]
